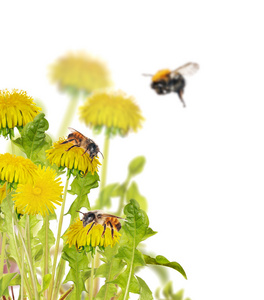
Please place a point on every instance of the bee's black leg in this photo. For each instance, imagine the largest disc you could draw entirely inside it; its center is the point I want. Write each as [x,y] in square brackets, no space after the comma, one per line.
[112,229]
[72,147]
[67,141]
[91,227]
[104,229]
[85,151]
[180,93]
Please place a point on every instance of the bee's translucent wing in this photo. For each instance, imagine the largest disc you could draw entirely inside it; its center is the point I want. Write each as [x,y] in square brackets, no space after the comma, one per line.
[187,69]
[74,130]
[113,216]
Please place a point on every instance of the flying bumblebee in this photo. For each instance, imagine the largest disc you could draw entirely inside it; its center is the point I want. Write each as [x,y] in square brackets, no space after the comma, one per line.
[98,217]
[166,81]
[79,140]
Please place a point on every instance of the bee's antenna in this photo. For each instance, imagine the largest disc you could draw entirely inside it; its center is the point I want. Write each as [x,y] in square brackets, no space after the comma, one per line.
[102,154]
[79,212]
[144,74]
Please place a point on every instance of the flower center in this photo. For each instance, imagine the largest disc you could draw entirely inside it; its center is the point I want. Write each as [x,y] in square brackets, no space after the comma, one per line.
[37,191]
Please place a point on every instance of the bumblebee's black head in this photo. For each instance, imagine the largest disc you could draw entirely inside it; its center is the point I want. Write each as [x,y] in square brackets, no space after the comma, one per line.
[93,150]
[88,218]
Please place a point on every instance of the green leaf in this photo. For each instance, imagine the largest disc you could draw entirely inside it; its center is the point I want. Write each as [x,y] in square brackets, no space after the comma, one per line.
[163,261]
[168,290]
[78,263]
[136,165]
[33,137]
[107,291]
[178,295]
[8,227]
[46,281]
[133,193]
[137,222]
[145,292]
[104,199]
[110,269]
[81,187]
[135,230]
[4,283]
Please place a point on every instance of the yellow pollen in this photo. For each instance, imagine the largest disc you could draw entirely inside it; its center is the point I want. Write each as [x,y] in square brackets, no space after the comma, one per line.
[37,191]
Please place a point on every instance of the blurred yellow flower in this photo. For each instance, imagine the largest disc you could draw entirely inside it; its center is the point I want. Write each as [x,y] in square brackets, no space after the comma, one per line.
[16,110]
[114,110]
[72,159]
[16,169]
[77,235]
[40,197]
[77,72]
[2,192]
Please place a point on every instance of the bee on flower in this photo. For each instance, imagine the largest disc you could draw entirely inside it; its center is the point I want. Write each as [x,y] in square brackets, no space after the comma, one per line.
[96,228]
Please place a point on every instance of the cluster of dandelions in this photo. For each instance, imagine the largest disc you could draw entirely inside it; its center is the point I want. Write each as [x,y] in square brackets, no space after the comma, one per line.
[28,189]
[31,187]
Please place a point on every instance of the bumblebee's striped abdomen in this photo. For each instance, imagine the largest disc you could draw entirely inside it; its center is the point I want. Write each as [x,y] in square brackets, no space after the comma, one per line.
[115,223]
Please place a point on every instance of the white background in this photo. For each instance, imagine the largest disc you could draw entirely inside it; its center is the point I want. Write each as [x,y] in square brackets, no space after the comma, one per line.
[204,173]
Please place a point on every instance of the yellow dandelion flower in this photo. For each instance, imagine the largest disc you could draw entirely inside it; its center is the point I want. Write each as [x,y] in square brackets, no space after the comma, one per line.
[40,197]
[72,159]
[2,192]
[16,169]
[16,110]
[115,111]
[77,235]
[79,72]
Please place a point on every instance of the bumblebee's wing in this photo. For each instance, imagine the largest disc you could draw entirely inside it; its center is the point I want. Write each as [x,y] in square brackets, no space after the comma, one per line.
[187,69]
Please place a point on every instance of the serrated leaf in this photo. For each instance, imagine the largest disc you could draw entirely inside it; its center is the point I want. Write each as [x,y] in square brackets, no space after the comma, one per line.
[78,263]
[33,137]
[149,233]
[81,187]
[4,283]
[135,229]
[133,193]
[145,292]
[107,291]
[137,222]
[163,261]
[110,269]
[136,165]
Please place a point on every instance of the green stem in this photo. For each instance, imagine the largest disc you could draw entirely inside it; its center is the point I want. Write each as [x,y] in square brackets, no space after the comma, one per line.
[59,275]
[18,253]
[2,261]
[105,162]
[56,251]
[22,274]
[92,277]
[122,198]
[46,251]
[66,293]
[68,116]
[102,185]
[28,255]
